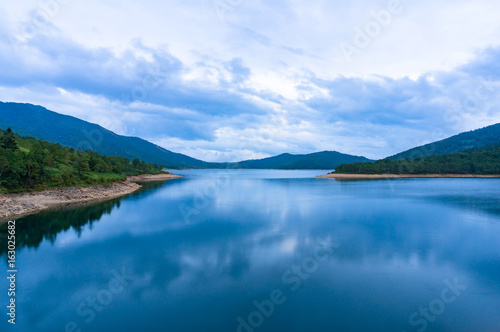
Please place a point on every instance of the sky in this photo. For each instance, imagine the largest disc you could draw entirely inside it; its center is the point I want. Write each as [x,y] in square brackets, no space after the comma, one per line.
[229,80]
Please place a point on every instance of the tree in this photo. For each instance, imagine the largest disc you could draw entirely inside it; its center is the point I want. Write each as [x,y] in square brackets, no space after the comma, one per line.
[101,166]
[136,162]
[49,160]
[117,168]
[4,165]
[32,170]
[82,165]
[8,140]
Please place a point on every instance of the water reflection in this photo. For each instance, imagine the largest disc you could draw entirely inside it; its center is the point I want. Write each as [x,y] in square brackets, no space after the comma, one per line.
[46,225]
[397,244]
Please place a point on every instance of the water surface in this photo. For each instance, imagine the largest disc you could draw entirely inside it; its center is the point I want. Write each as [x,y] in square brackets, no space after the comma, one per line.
[204,252]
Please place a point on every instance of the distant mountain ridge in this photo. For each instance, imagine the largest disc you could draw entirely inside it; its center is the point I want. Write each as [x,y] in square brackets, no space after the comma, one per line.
[477,161]
[41,123]
[318,160]
[465,141]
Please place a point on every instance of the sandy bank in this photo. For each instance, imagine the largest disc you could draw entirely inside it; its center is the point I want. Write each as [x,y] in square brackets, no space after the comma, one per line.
[18,205]
[400,176]
[152,178]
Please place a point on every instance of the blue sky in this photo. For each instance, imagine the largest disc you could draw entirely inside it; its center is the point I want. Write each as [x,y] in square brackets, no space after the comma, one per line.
[226,80]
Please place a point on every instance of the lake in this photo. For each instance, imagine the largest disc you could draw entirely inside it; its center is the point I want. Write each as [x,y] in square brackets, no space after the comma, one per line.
[262,250]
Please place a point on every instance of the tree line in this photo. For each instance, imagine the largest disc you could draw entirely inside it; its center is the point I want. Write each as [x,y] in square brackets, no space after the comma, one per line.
[480,161]
[27,163]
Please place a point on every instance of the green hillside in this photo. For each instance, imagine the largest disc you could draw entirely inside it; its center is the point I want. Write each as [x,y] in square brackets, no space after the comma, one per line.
[478,161]
[323,160]
[37,121]
[27,163]
[458,143]
[318,160]
[266,163]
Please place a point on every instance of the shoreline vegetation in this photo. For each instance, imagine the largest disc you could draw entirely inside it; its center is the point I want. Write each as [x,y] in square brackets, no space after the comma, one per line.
[23,204]
[36,175]
[29,164]
[473,163]
[354,176]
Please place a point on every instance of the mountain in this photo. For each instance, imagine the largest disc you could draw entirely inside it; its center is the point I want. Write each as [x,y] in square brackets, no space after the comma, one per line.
[318,160]
[478,161]
[458,143]
[39,122]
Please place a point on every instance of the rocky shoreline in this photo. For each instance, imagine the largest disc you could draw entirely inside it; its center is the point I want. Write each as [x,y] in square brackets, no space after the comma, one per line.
[19,205]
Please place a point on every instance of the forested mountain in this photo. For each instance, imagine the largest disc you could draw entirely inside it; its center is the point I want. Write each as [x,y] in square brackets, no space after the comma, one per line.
[27,163]
[484,160]
[461,142]
[37,121]
[318,160]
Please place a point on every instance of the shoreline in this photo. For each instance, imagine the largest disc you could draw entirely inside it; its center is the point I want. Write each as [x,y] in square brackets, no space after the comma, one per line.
[352,177]
[19,205]
[152,177]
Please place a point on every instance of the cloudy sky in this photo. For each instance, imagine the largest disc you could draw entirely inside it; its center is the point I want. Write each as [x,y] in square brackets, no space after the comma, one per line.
[226,80]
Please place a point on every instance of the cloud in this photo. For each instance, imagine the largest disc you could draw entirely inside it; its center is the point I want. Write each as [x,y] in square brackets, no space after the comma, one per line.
[267,79]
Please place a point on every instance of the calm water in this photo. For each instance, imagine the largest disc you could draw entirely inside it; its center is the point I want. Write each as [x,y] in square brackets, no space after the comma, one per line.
[265,251]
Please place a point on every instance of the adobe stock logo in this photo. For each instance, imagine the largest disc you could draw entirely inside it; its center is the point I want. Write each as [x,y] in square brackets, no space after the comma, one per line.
[363,37]
[222,7]
[94,139]
[93,305]
[436,307]
[46,12]
[293,278]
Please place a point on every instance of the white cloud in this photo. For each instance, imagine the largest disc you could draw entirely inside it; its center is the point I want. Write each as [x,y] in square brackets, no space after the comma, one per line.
[268,79]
